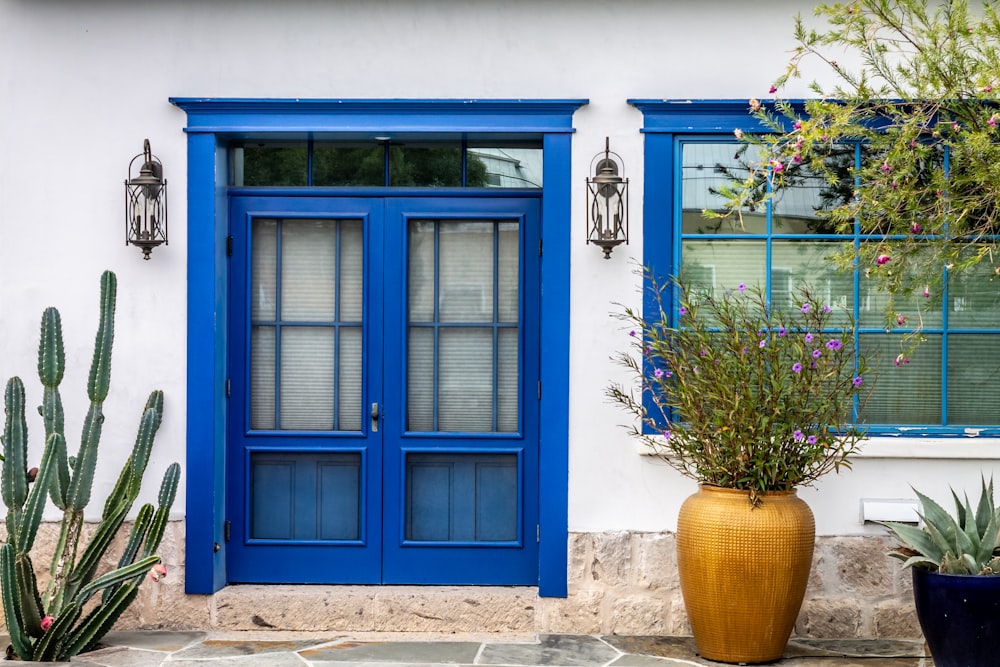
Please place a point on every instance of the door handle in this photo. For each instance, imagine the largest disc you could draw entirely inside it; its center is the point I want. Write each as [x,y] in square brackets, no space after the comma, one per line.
[374,415]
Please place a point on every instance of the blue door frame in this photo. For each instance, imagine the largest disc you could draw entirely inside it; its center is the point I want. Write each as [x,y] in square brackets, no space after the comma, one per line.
[211,124]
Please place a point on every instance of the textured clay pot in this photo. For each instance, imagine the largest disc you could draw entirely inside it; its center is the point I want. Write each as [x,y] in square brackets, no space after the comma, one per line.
[960,617]
[743,571]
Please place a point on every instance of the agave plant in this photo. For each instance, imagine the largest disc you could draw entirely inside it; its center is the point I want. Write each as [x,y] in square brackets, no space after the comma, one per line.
[966,543]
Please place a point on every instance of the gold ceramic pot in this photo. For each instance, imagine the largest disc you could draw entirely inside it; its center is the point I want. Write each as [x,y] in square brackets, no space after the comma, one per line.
[743,570]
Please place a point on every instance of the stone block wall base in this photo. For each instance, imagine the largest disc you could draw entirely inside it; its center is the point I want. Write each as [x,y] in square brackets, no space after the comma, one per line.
[619,583]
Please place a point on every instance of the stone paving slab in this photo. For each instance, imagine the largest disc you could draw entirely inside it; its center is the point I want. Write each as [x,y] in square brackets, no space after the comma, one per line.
[262,649]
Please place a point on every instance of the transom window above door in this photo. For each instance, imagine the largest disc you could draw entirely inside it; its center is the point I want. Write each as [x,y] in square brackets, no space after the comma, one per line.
[388,162]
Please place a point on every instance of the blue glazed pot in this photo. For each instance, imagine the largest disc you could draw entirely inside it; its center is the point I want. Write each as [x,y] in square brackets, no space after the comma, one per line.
[960,617]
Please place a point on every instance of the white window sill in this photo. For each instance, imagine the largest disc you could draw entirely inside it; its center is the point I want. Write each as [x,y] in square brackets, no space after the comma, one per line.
[901,447]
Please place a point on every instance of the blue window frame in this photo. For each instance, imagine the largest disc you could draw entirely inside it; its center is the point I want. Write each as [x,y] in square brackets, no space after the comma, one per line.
[212,125]
[944,390]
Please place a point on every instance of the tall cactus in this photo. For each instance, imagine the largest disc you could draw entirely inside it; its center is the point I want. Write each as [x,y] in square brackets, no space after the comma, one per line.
[47,628]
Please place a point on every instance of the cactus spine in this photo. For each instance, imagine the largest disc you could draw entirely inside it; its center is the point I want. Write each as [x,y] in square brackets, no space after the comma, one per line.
[74,578]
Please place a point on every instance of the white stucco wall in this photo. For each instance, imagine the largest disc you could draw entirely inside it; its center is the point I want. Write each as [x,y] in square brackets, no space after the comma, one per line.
[84,83]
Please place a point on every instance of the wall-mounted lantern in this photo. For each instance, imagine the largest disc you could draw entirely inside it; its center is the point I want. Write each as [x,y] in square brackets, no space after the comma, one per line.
[145,202]
[607,201]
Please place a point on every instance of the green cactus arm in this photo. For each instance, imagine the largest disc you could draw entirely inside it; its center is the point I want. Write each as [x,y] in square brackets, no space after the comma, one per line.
[135,570]
[31,602]
[63,559]
[50,646]
[51,355]
[90,559]
[138,533]
[118,493]
[52,404]
[136,536]
[100,368]
[148,426]
[10,592]
[168,491]
[14,478]
[99,622]
[35,505]
[82,481]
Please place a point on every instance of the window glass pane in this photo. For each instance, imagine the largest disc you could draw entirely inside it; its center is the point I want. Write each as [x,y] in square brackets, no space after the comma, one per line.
[915,308]
[974,297]
[307,374]
[262,368]
[973,369]
[413,165]
[421,270]
[795,207]
[308,270]
[499,165]
[466,271]
[276,164]
[348,165]
[906,394]
[705,168]
[797,264]
[462,497]
[263,296]
[716,266]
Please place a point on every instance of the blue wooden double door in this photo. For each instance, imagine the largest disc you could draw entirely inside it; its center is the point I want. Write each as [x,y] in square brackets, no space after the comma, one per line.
[383,411]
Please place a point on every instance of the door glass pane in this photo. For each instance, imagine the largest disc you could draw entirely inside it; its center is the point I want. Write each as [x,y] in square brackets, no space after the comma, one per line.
[307,374]
[462,497]
[262,367]
[466,380]
[308,270]
[306,365]
[466,272]
[464,335]
[263,298]
[299,496]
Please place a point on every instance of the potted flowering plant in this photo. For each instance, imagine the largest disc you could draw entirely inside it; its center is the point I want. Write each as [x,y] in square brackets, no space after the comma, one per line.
[751,401]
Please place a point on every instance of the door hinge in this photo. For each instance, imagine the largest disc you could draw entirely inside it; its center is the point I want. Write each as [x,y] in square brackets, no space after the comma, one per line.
[229,246]
[227,530]
[539,247]
[229,386]
[539,390]
[538,532]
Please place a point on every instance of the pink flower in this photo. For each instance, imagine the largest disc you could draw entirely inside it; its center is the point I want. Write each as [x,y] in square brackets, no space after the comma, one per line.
[885,167]
[988,89]
[916,228]
[47,623]
[158,572]
[927,292]
[992,122]
[778,167]
[882,259]
[797,125]
[773,89]
[796,158]
[900,320]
